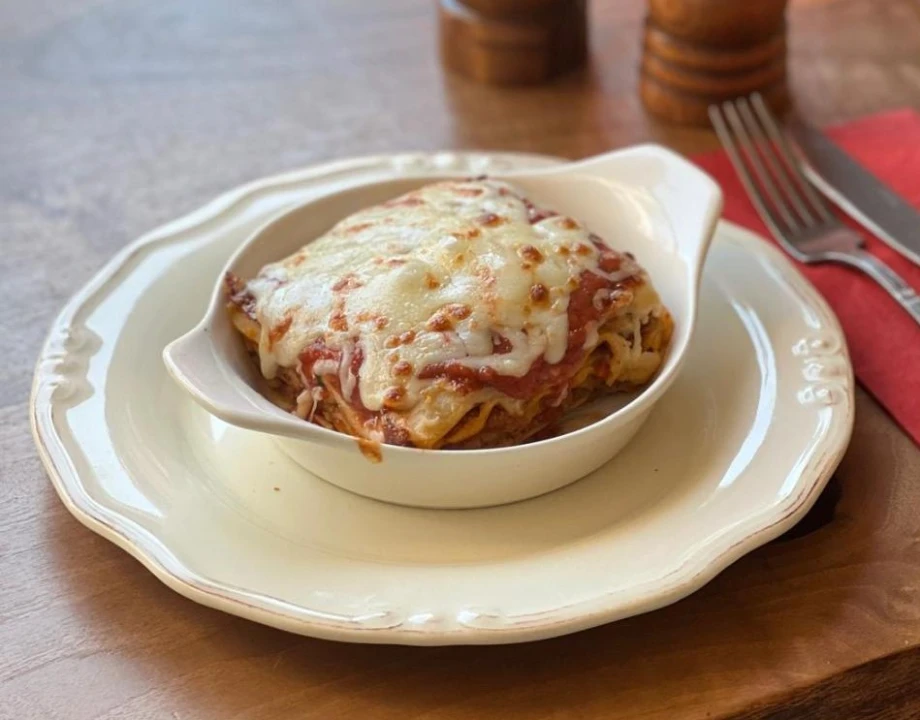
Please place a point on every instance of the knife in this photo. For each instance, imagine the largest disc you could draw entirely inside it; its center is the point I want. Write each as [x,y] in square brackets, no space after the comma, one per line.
[857,192]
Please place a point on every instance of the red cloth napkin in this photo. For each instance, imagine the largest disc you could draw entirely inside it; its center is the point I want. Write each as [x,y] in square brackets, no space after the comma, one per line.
[884,341]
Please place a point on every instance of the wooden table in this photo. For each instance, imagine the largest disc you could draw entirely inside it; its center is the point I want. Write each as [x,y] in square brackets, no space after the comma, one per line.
[118,116]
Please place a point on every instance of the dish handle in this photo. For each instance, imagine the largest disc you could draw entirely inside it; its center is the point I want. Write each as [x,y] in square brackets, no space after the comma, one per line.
[211,367]
[693,199]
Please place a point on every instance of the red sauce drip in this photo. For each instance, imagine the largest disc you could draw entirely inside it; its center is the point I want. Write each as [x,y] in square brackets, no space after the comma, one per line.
[608,259]
[581,311]
[535,214]
[357,359]
[609,262]
[317,350]
[393,432]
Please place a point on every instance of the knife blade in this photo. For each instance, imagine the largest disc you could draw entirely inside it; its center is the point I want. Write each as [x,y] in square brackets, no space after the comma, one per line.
[857,192]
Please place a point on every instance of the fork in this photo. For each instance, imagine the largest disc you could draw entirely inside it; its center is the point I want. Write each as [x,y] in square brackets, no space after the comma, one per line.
[801,221]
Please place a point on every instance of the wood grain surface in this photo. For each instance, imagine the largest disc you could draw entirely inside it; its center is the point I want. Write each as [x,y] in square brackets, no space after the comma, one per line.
[118,116]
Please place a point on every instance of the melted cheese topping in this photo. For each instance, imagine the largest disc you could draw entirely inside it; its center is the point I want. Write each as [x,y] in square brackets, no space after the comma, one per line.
[434,276]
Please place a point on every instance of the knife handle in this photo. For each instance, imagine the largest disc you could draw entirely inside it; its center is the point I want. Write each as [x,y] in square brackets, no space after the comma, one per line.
[903,293]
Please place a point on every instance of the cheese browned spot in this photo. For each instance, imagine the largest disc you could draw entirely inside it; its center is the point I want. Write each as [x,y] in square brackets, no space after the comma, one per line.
[349,282]
[338,321]
[402,368]
[490,219]
[410,200]
[470,234]
[530,253]
[539,294]
[439,322]
[458,311]
[468,191]
[393,398]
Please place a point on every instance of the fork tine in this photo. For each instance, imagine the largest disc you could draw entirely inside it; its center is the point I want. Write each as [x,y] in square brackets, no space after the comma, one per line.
[753,157]
[728,142]
[771,156]
[779,140]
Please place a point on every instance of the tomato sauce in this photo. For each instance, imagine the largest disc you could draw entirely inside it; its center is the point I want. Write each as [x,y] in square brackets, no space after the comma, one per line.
[542,376]
[552,376]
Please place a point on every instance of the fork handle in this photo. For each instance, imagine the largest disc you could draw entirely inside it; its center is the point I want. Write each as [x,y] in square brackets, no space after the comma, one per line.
[886,277]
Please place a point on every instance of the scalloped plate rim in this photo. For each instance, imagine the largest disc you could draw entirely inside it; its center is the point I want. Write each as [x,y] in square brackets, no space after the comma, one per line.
[696,570]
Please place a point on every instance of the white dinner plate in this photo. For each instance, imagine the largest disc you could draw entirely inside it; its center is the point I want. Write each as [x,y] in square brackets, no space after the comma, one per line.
[733,455]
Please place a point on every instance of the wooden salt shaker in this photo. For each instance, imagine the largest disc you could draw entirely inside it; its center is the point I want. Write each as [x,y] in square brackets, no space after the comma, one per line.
[512,42]
[697,52]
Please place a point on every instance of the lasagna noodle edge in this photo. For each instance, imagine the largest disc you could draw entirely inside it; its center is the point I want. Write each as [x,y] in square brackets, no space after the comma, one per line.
[619,361]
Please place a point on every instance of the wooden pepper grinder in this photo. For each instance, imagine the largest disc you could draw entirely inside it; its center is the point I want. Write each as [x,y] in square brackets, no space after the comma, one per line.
[697,52]
[513,42]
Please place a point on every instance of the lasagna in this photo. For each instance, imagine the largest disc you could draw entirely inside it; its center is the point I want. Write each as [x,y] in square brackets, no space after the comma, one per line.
[459,315]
